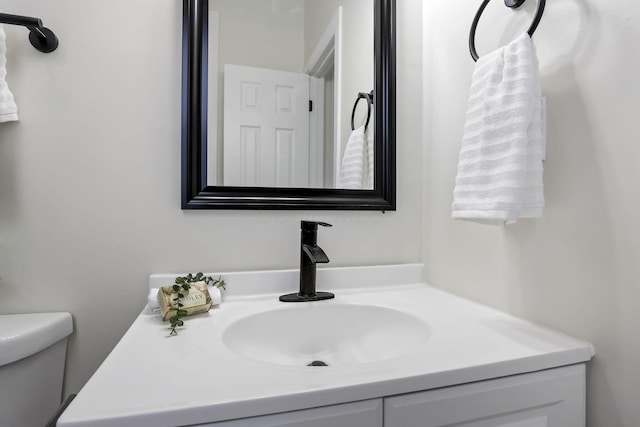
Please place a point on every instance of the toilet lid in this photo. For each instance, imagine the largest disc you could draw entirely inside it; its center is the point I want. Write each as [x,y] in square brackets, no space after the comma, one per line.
[22,335]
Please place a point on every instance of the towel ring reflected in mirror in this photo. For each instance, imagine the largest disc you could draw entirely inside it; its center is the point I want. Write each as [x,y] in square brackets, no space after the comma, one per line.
[197,194]
[511,4]
[369,98]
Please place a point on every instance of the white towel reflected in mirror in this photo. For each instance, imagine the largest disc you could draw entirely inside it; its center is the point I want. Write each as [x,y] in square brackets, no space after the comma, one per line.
[357,167]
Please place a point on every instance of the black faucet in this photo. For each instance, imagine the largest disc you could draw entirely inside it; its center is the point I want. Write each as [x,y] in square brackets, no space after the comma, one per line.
[310,255]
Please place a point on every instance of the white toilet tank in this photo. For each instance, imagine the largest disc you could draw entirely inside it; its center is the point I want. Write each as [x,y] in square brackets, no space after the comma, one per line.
[33,349]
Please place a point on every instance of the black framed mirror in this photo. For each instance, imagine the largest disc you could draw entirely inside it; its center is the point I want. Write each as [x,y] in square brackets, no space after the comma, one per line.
[198,194]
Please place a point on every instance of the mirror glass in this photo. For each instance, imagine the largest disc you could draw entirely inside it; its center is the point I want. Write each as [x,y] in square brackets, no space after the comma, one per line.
[288,104]
[284,77]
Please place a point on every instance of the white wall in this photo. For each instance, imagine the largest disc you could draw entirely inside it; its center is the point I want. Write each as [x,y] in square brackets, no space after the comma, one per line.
[263,34]
[90,176]
[576,269]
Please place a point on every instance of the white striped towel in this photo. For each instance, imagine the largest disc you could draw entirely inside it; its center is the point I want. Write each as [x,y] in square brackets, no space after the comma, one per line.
[500,166]
[8,107]
[356,169]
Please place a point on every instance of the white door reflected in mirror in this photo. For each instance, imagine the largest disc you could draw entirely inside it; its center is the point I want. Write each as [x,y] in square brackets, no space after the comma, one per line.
[266,127]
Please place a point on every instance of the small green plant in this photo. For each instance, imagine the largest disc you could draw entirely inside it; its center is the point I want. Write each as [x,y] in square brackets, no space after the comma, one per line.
[181,288]
[200,277]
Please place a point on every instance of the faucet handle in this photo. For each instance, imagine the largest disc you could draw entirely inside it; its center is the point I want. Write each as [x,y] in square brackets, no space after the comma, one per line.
[312,225]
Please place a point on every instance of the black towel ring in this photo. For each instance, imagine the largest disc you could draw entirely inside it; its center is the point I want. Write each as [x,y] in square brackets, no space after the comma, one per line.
[509,3]
[369,98]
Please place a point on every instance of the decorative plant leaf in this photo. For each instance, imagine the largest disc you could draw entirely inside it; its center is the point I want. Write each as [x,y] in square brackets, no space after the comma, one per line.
[181,287]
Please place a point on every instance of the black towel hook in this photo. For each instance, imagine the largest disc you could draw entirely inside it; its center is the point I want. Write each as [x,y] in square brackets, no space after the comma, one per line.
[509,3]
[369,98]
[40,36]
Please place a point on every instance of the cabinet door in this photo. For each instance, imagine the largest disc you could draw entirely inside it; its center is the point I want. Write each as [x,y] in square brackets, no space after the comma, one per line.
[367,413]
[551,398]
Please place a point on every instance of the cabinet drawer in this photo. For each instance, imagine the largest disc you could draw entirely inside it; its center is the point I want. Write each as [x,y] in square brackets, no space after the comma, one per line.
[367,413]
[551,398]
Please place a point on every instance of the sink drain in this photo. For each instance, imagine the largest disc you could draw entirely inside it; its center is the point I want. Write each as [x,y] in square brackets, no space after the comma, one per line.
[317,363]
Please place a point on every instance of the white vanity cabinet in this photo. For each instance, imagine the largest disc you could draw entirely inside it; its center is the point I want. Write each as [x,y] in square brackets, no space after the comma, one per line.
[551,398]
[367,413]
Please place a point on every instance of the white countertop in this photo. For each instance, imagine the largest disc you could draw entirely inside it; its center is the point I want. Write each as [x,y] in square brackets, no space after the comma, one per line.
[152,380]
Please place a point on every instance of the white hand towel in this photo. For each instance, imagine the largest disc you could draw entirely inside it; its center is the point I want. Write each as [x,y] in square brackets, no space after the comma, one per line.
[500,166]
[8,107]
[357,168]
[353,161]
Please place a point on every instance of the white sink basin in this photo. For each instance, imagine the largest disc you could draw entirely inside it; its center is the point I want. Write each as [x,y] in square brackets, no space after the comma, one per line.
[335,334]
